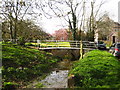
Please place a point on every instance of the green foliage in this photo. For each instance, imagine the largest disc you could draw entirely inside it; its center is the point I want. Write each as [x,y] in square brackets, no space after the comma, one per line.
[98,69]
[21,41]
[21,64]
[26,30]
[9,86]
[29,44]
[39,85]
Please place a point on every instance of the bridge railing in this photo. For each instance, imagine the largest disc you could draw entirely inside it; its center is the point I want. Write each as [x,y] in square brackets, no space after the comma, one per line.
[65,43]
[61,43]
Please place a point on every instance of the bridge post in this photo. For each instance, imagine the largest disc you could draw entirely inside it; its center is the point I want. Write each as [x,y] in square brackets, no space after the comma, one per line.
[56,43]
[38,42]
[81,50]
[76,43]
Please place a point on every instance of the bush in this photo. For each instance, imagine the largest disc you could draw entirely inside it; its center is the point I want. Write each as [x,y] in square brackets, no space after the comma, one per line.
[39,85]
[9,86]
[21,41]
[98,69]
[29,44]
[21,64]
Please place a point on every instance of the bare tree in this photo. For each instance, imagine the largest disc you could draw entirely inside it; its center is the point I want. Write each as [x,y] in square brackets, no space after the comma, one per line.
[12,11]
[27,30]
[92,25]
[71,12]
[105,26]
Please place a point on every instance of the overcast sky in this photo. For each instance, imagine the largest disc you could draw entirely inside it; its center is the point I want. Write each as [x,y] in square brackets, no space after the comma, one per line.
[111,6]
[50,25]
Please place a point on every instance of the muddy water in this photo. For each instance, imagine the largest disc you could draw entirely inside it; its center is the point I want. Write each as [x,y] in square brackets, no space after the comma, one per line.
[58,77]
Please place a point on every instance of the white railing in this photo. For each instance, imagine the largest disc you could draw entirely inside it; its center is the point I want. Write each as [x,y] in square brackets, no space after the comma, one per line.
[61,43]
[65,43]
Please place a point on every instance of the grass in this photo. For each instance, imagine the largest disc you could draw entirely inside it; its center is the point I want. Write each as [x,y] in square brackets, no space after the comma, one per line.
[98,69]
[21,64]
[0,43]
[53,44]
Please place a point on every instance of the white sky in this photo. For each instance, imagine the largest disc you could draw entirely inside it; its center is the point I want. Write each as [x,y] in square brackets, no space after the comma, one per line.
[111,6]
[50,25]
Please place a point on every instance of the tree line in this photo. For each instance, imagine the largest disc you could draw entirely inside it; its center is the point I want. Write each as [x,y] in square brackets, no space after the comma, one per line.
[80,16]
[15,24]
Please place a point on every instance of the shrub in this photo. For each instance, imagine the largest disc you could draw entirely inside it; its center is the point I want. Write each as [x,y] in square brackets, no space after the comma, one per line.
[9,86]
[21,41]
[39,85]
[98,69]
[29,44]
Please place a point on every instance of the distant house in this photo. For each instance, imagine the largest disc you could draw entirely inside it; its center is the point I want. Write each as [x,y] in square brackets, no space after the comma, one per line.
[60,34]
[114,36]
[107,30]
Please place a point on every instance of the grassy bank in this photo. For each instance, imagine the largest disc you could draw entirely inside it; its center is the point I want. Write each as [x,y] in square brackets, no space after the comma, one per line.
[22,65]
[51,44]
[98,69]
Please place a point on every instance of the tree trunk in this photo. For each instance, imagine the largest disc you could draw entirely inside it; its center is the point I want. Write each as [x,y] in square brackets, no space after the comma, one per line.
[11,30]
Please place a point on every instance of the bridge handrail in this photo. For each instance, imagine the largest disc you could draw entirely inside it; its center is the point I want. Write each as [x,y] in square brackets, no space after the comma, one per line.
[86,44]
[65,41]
[73,43]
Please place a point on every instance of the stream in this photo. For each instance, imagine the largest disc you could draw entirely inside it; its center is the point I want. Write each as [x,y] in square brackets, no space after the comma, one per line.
[58,77]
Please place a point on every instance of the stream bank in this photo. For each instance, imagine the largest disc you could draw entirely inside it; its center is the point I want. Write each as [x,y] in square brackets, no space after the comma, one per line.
[57,78]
